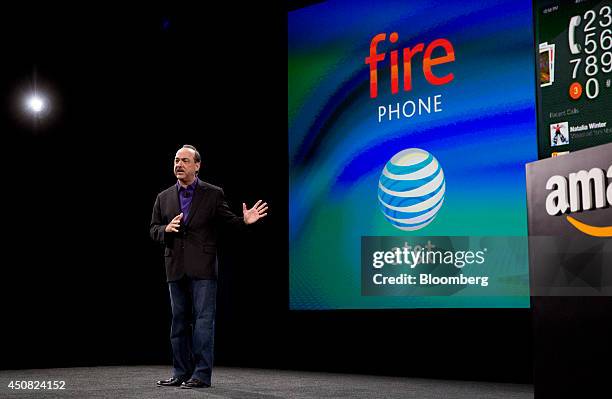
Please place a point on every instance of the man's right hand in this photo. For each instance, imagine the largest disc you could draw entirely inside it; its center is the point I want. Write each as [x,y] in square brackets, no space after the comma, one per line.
[175,224]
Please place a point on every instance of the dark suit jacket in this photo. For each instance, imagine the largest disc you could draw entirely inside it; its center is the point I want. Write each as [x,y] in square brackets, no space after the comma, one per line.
[193,250]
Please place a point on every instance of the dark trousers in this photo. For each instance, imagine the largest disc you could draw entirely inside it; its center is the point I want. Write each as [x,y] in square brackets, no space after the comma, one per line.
[193,327]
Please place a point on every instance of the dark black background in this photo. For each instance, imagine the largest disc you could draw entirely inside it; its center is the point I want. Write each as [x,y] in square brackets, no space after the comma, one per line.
[81,282]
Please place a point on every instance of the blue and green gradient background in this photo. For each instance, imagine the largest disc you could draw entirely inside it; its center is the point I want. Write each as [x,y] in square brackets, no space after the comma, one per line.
[337,148]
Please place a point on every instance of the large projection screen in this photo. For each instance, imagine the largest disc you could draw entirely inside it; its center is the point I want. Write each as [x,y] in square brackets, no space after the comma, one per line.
[410,124]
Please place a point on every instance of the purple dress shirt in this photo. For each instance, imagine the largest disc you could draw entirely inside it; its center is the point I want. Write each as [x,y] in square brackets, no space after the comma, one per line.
[185,197]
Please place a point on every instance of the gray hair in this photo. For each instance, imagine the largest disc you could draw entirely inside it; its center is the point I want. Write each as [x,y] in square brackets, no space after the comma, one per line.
[196,156]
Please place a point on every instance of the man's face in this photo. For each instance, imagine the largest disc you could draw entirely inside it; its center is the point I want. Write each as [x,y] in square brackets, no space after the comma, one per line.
[185,167]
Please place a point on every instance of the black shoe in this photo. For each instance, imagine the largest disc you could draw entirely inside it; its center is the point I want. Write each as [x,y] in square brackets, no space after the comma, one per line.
[171,382]
[194,383]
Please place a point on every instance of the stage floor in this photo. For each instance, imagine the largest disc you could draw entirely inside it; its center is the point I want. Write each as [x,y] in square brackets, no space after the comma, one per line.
[229,382]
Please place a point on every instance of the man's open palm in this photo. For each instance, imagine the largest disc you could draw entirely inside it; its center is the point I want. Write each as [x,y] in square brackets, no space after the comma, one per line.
[255,213]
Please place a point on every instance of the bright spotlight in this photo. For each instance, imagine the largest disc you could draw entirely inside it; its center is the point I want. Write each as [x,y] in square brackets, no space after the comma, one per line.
[36,104]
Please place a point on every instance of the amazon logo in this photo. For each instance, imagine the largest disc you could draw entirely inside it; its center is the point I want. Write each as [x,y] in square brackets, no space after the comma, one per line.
[581,191]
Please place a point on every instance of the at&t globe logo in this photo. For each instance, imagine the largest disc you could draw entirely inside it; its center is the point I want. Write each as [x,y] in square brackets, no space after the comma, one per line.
[411,189]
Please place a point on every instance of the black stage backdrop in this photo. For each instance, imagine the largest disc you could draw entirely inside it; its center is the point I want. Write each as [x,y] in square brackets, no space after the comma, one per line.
[81,282]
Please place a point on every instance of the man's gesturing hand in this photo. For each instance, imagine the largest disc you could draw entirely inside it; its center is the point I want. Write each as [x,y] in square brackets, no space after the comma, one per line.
[255,213]
[174,224]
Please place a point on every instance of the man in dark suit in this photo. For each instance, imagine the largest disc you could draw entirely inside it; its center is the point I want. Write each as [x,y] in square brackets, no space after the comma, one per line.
[185,220]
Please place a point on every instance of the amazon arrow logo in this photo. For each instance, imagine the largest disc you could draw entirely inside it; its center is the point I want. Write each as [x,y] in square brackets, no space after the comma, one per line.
[582,191]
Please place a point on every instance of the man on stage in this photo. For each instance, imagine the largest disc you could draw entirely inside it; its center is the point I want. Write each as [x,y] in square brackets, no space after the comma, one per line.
[185,220]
